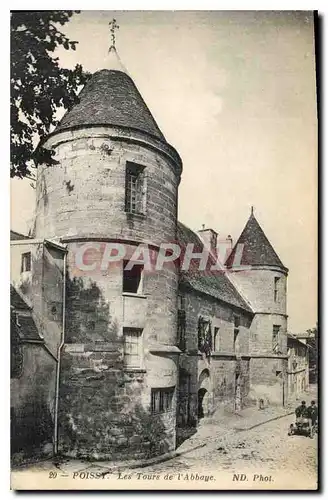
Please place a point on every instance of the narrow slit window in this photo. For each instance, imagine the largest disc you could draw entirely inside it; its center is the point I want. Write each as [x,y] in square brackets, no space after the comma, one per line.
[26,262]
[236,333]
[216,339]
[276,283]
[135,189]
[276,338]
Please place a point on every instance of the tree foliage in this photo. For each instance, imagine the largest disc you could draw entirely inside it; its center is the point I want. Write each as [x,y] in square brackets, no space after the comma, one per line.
[39,86]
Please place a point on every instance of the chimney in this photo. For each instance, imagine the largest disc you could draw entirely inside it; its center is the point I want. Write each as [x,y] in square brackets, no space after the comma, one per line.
[209,238]
[228,246]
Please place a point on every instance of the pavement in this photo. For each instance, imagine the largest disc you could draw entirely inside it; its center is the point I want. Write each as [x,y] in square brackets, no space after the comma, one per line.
[252,439]
[227,422]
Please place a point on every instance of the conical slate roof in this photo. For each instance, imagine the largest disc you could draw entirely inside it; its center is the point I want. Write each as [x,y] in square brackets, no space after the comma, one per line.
[257,249]
[111,98]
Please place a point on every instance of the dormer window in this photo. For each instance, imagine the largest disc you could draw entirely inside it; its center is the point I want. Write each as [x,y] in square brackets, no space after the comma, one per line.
[135,189]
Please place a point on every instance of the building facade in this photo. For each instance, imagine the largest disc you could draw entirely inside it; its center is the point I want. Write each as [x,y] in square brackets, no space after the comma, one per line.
[140,351]
[298,366]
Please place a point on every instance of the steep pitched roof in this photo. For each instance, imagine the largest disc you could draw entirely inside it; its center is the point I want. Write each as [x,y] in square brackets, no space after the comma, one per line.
[17,236]
[16,301]
[257,249]
[25,327]
[111,98]
[293,339]
[213,283]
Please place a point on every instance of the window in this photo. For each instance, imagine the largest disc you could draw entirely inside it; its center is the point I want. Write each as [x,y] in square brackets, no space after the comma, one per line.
[236,340]
[275,338]
[133,352]
[276,281]
[135,189]
[182,329]
[216,339]
[132,278]
[236,320]
[181,323]
[204,336]
[181,302]
[26,262]
[161,400]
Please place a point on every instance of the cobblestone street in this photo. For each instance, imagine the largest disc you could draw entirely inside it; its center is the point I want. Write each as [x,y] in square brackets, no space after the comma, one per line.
[266,447]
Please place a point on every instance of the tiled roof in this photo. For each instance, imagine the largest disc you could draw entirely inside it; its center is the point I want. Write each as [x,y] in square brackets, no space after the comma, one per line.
[213,283]
[17,236]
[25,326]
[291,337]
[257,249]
[16,301]
[111,98]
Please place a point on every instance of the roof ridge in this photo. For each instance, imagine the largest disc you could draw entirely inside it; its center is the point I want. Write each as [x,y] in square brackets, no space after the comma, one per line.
[217,285]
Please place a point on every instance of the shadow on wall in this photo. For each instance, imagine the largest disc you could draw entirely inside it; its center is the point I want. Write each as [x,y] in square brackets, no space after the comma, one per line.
[87,313]
[101,415]
[31,427]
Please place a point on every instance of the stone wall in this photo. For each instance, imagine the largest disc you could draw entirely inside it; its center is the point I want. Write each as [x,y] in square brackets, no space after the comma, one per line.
[222,365]
[42,286]
[32,404]
[268,368]
[105,406]
[298,368]
[269,380]
[258,284]
[102,414]
[85,193]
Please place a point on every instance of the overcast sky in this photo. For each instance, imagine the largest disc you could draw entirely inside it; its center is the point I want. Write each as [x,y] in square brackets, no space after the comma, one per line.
[234,93]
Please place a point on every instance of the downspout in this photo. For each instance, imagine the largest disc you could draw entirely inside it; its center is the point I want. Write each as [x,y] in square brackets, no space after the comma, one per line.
[59,360]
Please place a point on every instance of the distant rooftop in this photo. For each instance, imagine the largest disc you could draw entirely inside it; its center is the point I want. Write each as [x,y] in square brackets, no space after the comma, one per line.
[213,283]
[17,236]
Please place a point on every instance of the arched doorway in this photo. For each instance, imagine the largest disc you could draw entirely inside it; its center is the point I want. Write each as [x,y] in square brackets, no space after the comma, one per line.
[201,394]
[204,394]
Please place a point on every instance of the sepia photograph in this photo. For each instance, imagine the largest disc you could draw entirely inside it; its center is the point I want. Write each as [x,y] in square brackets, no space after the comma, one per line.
[164,250]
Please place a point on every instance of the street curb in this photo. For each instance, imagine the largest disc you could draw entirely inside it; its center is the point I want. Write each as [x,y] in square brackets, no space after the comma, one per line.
[164,458]
[264,422]
[142,463]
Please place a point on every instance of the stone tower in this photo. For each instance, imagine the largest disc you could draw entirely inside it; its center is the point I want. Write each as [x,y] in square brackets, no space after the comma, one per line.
[261,278]
[116,182]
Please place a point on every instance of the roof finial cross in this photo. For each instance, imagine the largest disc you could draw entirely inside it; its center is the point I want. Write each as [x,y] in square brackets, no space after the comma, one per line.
[113,26]
[252,210]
